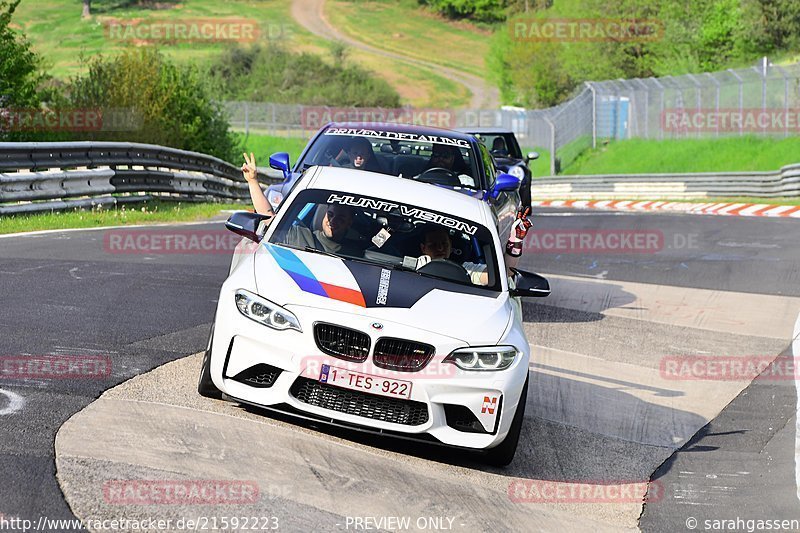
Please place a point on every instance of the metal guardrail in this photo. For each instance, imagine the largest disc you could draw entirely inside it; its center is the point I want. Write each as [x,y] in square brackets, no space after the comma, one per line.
[781,183]
[52,176]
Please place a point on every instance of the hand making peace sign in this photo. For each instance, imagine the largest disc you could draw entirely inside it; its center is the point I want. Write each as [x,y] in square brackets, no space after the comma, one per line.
[249,168]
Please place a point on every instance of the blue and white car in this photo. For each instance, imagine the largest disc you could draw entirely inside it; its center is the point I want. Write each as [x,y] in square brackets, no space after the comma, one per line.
[377,335]
[402,150]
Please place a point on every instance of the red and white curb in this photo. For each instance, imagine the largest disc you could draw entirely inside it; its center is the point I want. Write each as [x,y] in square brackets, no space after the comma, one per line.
[726,209]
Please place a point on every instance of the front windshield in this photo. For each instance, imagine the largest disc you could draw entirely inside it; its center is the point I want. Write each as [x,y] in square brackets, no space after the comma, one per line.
[390,235]
[501,144]
[433,159]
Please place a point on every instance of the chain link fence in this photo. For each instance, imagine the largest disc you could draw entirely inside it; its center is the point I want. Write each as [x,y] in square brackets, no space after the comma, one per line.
[762,100]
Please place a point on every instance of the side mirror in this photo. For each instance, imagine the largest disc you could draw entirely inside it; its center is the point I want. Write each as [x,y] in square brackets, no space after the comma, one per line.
[504,183]
[532,155]
[280,161]
[247,224]
[529,285]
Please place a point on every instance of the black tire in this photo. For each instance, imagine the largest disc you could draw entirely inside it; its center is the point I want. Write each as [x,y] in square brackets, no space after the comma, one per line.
[206,387]
[503,453]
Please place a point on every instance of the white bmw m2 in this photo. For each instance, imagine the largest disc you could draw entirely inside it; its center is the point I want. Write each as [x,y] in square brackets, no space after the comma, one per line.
[378,303]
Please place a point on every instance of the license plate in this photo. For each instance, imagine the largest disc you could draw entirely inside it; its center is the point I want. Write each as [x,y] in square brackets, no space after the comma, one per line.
[348,379]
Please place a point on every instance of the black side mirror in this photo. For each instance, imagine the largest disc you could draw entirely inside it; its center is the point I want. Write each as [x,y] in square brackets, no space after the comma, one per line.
[247,224]
[529,285]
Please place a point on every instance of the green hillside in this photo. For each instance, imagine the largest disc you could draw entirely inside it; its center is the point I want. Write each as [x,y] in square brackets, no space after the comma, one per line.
[58,32]
[65,40]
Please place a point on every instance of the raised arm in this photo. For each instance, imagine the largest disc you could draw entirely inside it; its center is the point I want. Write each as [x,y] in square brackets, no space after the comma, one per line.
[519,230]
[250,172]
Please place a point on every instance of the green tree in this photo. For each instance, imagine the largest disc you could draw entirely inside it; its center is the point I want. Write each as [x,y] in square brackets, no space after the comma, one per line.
[477,10]
[697,36]
[151,100]
[274,74]
[771,25]
[20,73]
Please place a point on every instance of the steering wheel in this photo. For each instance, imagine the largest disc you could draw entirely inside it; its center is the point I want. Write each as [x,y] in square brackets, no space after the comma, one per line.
[444,268]
[451,177]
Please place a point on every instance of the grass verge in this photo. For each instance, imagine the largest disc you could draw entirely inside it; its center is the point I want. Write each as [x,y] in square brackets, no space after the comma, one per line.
[540,167]
[132,214]
[729,154]
[264,145]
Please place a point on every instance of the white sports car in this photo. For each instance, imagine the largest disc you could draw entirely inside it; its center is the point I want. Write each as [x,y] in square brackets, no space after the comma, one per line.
[377,303]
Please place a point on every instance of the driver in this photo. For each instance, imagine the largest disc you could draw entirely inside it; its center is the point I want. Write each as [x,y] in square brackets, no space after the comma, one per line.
[448,157]
[499,147]
[332,236]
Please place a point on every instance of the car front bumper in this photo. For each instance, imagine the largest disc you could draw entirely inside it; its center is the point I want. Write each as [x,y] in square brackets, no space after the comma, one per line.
[264,367]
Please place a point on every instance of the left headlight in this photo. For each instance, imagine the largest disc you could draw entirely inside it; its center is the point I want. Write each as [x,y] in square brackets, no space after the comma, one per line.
[265,312]
[274,197]
[517,171]
[483,357]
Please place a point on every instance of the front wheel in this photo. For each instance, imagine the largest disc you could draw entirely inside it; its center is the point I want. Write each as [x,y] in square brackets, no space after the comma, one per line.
[206,387]
[503,454]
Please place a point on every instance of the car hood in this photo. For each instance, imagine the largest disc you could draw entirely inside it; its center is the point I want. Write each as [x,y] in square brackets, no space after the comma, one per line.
[291,277]
[504,163]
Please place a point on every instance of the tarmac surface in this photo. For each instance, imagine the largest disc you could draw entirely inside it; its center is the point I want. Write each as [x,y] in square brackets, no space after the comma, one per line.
[601,410]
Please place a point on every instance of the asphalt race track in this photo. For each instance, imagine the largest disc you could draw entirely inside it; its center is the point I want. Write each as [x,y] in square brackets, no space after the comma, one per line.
[604,409]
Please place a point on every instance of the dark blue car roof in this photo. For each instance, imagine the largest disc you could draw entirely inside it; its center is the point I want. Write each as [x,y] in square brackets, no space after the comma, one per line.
[403,128]
[485,129]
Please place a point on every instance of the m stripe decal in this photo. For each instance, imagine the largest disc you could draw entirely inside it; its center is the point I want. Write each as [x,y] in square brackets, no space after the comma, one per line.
[308,282]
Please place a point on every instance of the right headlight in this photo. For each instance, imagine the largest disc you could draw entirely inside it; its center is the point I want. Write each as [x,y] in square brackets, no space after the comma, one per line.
[485,358]
[517,171]
[265,312]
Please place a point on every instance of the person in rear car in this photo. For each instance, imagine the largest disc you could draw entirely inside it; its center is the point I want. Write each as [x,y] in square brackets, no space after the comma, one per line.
[362,156]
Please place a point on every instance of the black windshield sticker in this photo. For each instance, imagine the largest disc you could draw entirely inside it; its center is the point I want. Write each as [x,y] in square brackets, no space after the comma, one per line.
[399,136]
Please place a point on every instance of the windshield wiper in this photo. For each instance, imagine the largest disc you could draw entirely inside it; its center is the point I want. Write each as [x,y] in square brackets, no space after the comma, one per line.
[310,249]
